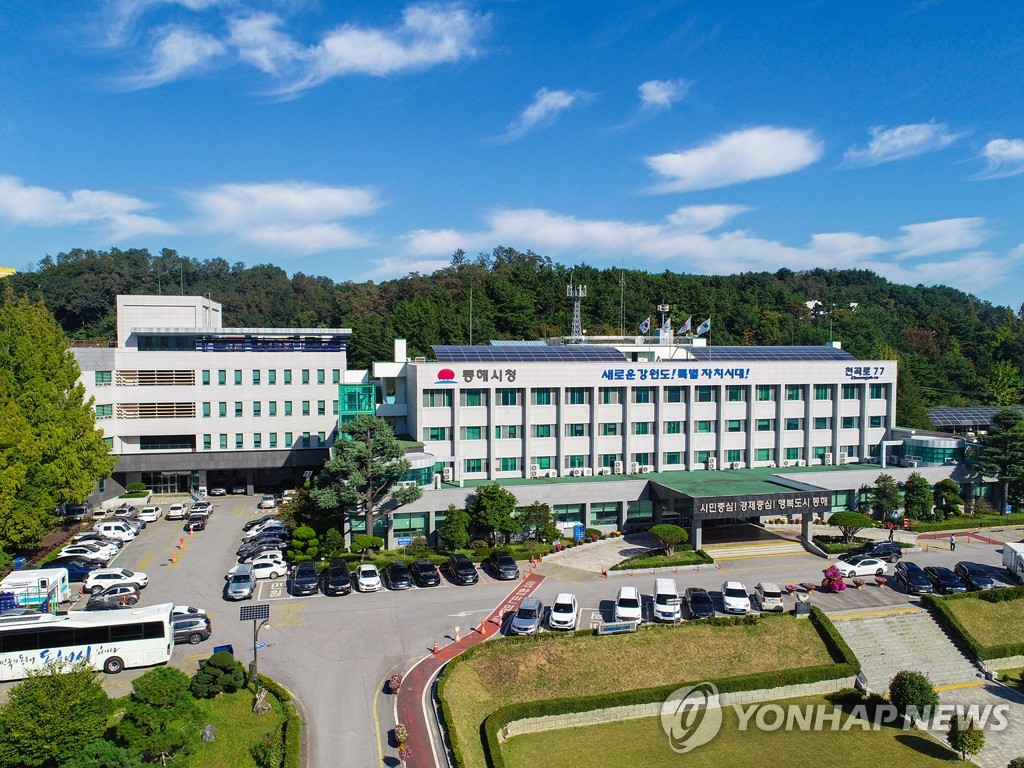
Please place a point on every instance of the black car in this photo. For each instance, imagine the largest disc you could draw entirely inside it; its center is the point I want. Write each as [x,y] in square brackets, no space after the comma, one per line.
[425,574]
[503,565]
[92,537]
[196,521]
[912,578]
[258,521]
[975,576]
[262,544]
[397,575]
[78,567]
[339,579]
[883,550]
[101,606]
[192,629]
[252,554]
[462,569]
[944,581]
[699,603]
[305,579]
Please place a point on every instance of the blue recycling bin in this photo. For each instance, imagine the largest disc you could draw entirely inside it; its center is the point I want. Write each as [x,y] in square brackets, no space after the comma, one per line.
[218,648]
[20,562]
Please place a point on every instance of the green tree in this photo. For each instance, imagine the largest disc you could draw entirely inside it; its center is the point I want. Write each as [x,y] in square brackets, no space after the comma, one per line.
[1004,384]
[965,736]
[670,536]
[20,525]
[305,544]
[849,523]
[491,511]
[1001,453]
[333,543]
[1017,762]
[52,715]
[221,673]
[913,694]
[886,494]
[537,519]
[948,498]
[918,499]
[161,713]
[367,463]
[454,531]
[104,754]
[362,543]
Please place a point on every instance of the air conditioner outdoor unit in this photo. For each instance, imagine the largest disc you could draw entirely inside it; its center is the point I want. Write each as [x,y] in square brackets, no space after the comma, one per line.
[737,465]
[911,463]
[604,470]
[553,473]
[712,463]
[577,473]
[785,462]
[619,467]
[828,459]
[771,463]
[588,472]
[841,458]
[448,474]
[801,463]
[634,467]
[646,469]
[437,480]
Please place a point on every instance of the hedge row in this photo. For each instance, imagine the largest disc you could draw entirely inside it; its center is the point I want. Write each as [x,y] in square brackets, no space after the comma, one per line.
[960,522]
[292,723]
[655,558]
[958,630]
[845,665]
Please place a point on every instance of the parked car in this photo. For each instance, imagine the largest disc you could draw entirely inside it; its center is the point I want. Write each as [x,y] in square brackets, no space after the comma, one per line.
[503,565]
[77,567]
[92,537]
[398,575]
[273,525]
[257,522]
[883,550]
[116,528]
[425,574]
[338,580]
[99,605]
[118,594]
[305,579]
[768,597]
[218,490]
[628,606]
[126,510]
[176,512]
[102,578]
[186,611]
[259,547]
[735,598]
[19,612]
[699,603]
[944,581]
[368,578]
[241,582]
[104,553]
[667,605]
[527,618]
[912,578]
[238,489]
[563,611]
[269,501]
[261,570]
[204,507]
[865,566]
[975,576]
[150,514]
[272,557]
[78,511]
[462,569]
[192,629]
[196,521]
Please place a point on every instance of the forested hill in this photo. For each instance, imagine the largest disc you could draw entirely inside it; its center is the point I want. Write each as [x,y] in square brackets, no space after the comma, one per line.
[953,348]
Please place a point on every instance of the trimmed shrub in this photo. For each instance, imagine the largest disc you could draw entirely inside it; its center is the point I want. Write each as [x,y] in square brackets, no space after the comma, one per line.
[221,673]
[134,487]
[912,689]
[362,542]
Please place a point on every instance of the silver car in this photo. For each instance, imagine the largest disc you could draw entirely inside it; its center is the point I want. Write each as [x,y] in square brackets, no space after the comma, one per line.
[527,618]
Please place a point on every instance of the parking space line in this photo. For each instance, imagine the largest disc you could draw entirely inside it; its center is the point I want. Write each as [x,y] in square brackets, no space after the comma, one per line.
[191,662]
[144,560]
[289,615]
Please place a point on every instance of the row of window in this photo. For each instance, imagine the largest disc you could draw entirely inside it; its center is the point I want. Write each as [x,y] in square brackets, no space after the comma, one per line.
[256,442]
[612,429]
[272,410]
[104,378]
[734,393]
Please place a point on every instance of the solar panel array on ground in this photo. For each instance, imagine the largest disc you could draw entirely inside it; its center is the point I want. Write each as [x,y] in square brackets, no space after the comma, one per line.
[770,354]
[527,353]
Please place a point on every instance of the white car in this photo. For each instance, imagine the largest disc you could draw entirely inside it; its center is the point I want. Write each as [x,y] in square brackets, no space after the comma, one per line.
[368,578]
[563,611]
[102,552]
[628,606]
[267,502]
[271,526]
[735,598]
[101,578]
[151,514]
[269,558]
[203,506]
[176,512]
[218,491]
[868,566]
[186,612]
[264,570]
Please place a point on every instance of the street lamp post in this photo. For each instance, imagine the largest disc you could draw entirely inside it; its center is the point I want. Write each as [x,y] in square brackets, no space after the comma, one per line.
[259,614]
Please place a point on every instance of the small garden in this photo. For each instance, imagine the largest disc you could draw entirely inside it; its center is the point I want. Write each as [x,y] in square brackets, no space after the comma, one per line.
[837,545]
[988,623]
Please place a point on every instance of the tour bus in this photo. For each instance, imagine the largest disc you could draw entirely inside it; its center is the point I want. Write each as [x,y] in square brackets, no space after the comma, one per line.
[109,640]
[41,588]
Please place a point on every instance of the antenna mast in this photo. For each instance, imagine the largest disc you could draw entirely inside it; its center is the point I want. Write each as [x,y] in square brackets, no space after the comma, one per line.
[576,293]
[622,303]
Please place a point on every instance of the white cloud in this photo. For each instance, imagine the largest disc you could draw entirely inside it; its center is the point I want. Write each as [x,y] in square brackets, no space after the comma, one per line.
[261,43]
[901,142]
[290,216]
[754,153]
[41,207]
[1005,157]
[662,94]
[941,237]
[545,108]
[176,53]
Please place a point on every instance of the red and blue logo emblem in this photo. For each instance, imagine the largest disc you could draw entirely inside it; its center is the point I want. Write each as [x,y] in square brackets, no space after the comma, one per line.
[446,376]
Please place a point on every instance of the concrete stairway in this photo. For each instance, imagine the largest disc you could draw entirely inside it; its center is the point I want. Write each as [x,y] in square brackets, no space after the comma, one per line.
[887,642]
[754,549]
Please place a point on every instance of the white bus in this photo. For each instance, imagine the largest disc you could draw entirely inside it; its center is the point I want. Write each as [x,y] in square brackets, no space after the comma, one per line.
[110,640]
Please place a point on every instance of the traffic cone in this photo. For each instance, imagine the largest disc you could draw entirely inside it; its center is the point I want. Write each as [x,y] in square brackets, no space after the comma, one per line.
[456,634]
[480,629]
[435,648]
[174,557]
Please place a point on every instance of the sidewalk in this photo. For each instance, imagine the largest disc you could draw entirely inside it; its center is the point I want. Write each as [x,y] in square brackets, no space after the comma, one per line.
[599,555]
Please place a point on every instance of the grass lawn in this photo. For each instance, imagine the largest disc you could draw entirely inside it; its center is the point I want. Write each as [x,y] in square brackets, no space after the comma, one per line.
[656,559]
[990,623]
[1014,677]
[502,673]
[631,743]
[237,730]
[971,521]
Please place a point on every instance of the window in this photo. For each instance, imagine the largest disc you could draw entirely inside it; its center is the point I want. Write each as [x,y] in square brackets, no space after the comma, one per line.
[238,378]
[542,430]
[643,394]
[321,407]
[765,425]
[287,439]
[287,408]
[510,464]
[605,512]
[207,442]
[705,394]
[765,454]
[705,427]
[474,465]
[577,396]
[206,377]
[642,458]
[272,377]
[336,376]
[222,410]
[334,407]
[736,425]
[272,405]
[576,461]
[545,396]
[822,422]
[257,440]
[472,433]
[507,396]
[850,450]
[256,377]
[288,376]
[321,376]
[238,410]
[222,378]
[765,393]
[305,407]
[674,395]
[543,462]
[822,392]
[577,430]
[566,514]
[437,398]
[851,422]
[876,422]
[506,432]
[257,409]
[611,395]
[735,393]
[239,441]
[610,428]
[104,411]
[305,439]
[435,434]
[734,456]
[794,424]
[794,392]
[673,427]
[703,457]
[474,398]
[103,378]
[321,438]
[878,391]
[673,457]
[850,392]
[223,442]
[206,410]
[793,454]
[305,375]
[273,439]
[609,459]
[642,427]
[820,451]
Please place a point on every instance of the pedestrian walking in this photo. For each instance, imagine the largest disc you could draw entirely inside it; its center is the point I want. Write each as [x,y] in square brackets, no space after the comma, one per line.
[952,542]
[892,531]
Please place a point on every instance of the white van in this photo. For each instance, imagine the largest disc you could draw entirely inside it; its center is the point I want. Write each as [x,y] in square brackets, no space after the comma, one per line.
[38,587]
[628,605]
[115,529]
[667,605]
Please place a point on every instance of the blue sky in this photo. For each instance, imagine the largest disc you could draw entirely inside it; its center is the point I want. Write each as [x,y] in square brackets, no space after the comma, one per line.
[366,139]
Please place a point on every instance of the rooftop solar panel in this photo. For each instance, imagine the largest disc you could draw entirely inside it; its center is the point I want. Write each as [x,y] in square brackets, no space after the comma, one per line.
[527,353]
[770,353]
[973,416]
[517,343]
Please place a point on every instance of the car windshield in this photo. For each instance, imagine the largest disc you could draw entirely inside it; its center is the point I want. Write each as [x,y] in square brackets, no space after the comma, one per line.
[772,595]
[526,613]
[240,578]
[701,598]
[663,599]
[562,608]
[734,592]
[629,602]
[368,572]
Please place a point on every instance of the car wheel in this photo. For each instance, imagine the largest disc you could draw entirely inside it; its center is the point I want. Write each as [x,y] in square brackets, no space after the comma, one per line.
[113,665]
[894,559]
[96,590]
[880,572]
[195,638]
[276,575]
[131,601]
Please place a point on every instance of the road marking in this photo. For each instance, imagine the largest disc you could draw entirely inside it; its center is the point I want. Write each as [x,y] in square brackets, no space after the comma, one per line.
[376,718]
[191,663]
[882,612]
[289,615]
[975,684]
[725,558]
[144,560]
[464,614]
[306,726]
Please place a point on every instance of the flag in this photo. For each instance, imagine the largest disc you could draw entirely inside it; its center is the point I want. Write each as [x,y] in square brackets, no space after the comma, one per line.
[703,327]
[645,326]
[685,327]
[667,326]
